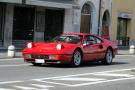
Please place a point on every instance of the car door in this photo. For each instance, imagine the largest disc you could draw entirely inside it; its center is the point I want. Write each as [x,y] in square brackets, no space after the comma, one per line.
[93,48]
[99,48]
[89,48]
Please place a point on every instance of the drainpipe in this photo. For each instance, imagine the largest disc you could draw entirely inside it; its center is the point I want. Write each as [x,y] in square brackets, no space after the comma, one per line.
[99,17]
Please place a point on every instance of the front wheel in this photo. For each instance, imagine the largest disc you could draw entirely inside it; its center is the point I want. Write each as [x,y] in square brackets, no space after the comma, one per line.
[108,57]
[76,59]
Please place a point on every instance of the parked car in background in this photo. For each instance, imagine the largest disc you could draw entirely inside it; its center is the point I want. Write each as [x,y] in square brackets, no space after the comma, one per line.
[71,48]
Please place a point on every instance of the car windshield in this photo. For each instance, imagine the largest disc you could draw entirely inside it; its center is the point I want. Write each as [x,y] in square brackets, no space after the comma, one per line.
[75,39]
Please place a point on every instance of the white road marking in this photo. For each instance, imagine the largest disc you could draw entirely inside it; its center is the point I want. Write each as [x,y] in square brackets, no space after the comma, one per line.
[54,83]
[89,83]
[41,86]
[106,73]
[92,83]
[5,89]
[113,75]
[14,65]
[69,76]
[9,82]
[25,88]
[83,74]
[79,79]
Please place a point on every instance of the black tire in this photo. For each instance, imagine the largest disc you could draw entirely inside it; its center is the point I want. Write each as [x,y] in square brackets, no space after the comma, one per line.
[108,57]
[76,59]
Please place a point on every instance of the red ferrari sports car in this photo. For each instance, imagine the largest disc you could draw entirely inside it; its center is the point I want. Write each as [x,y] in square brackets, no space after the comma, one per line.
[72,48]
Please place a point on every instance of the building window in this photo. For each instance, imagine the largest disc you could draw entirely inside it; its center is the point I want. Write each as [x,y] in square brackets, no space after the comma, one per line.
[86,9]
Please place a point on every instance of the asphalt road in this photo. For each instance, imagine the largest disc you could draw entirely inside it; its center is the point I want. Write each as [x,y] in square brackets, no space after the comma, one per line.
[18,75]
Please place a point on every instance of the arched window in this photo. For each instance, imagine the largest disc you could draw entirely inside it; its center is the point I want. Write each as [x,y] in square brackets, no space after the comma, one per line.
[86,9]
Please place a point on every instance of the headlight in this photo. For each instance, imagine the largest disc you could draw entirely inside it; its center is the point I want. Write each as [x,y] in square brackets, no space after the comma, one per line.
[59,46]
[30,45]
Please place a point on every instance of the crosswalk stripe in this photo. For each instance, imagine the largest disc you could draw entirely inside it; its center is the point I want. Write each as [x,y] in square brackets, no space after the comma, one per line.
[113,75]
[41,86]
[25,88]
[80,79]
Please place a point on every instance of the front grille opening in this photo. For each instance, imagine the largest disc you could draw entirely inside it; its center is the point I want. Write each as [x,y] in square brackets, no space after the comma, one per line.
[40,56]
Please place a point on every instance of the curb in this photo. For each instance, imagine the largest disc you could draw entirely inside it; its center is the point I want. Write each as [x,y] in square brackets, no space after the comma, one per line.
[125,55]
[11,57]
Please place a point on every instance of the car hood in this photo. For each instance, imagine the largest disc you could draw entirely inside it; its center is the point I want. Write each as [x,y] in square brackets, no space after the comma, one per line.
[51,48]
[45,46]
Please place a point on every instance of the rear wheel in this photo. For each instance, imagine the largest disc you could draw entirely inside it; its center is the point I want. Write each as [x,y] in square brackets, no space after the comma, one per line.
[76,59]
[108,57]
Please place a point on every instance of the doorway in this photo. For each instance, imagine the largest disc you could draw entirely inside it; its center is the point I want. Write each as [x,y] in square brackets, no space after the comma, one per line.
[2,17]
[105,25]
[54,20]
[85,19]
[23,25]
[123,39]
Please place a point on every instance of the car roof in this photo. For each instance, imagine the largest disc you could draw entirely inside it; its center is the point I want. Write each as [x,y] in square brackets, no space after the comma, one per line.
[75,33]
[83,34]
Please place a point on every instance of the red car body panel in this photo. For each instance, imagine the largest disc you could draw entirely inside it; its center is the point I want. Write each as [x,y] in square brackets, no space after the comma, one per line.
[50,49]
[90,52]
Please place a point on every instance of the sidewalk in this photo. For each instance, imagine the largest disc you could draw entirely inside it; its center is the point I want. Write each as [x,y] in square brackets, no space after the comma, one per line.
[4,51]
[123,52]
[3,55]
[18,54]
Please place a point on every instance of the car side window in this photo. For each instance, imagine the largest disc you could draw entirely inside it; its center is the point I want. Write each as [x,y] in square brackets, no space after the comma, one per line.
[89,40]
[98,40]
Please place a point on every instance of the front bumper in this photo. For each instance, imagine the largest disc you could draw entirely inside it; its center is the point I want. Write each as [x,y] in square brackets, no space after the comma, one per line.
[51,59]
[48,61]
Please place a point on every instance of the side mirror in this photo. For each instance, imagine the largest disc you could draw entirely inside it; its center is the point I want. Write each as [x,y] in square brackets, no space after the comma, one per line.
[88,42]
[84,44]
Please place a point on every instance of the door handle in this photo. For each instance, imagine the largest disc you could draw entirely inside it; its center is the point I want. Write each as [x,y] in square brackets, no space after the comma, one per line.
[100,46]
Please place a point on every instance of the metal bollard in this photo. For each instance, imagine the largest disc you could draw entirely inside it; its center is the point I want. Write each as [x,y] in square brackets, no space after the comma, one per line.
[11,51]
[132,49]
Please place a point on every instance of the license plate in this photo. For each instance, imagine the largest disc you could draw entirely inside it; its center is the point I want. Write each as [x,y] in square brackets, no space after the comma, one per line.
[39,61]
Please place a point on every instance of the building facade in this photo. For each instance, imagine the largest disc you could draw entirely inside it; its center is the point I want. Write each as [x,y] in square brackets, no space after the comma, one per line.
[39,20]
[123,22]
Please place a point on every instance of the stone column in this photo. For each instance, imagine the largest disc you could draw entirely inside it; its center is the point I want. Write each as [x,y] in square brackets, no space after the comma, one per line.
[76,18]
[72,19]
[8,28]
[68,22]
[94,22]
